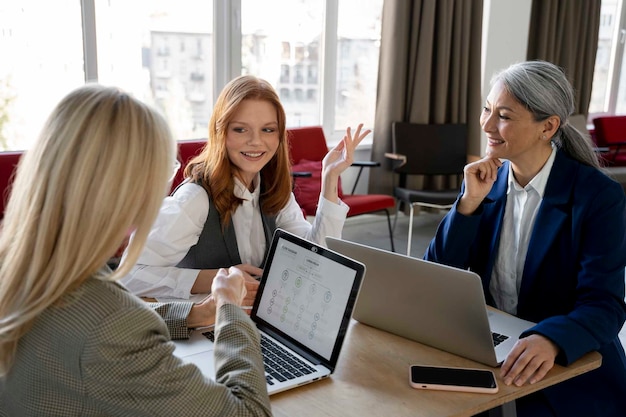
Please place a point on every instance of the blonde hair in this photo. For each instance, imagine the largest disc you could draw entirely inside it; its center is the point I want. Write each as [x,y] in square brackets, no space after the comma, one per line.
[214,170]
[99,168]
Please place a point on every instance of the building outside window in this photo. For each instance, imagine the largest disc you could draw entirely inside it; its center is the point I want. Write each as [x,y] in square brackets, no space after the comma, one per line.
[341,84]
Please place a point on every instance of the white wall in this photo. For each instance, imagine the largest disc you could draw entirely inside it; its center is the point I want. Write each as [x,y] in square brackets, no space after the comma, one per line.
[505,39]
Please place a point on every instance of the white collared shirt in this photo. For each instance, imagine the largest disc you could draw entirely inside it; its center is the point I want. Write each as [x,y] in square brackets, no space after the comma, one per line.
[182,218]
[522,204]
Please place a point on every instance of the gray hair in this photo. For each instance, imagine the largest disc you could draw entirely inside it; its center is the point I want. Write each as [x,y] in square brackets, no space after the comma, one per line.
[545,91]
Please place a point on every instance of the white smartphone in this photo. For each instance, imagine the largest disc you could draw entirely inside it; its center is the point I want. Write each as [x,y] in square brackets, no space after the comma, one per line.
[453,379]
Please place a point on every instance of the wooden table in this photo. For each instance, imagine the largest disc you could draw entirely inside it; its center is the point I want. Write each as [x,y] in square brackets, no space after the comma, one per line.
[372,379]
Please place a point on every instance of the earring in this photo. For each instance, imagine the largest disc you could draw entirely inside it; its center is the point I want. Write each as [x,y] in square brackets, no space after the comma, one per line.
[543,137]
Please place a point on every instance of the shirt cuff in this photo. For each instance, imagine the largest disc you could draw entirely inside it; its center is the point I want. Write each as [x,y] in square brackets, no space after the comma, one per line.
[330,209]
[184,282]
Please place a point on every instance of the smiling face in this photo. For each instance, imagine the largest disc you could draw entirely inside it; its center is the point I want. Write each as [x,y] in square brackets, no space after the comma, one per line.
[252,138]
[513,133]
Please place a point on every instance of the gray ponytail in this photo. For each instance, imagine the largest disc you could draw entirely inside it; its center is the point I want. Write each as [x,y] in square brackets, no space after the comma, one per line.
[575,144]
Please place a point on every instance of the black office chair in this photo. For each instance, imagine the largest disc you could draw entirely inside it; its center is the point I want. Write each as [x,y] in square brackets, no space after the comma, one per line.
[428,150]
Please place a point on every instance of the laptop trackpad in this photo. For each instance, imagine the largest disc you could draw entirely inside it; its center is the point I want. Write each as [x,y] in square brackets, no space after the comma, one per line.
[197,343]
[204,361]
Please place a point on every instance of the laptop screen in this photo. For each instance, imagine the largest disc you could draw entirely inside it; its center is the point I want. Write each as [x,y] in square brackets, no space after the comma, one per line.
[307,293]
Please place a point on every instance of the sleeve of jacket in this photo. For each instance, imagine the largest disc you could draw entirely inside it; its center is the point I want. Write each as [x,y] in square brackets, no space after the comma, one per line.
[175,316]
[454,237]
[128,369]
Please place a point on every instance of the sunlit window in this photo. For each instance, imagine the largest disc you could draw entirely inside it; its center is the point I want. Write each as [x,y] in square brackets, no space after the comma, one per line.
[293,58]
[41,60]
[358,35]
[161,51]
[170,54]
[609,81]
[286,44]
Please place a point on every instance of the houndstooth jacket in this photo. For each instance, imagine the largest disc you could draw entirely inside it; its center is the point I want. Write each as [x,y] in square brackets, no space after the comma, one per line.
[103,352]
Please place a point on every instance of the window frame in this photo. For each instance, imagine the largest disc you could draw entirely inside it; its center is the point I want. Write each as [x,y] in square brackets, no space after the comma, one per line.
[616,63]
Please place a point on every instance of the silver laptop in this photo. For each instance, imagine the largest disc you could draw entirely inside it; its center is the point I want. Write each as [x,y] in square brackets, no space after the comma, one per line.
[431,303]
[302,310]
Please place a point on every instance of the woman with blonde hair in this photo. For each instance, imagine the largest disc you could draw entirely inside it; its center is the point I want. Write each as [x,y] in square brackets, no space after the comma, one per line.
[72,340]
[238,191]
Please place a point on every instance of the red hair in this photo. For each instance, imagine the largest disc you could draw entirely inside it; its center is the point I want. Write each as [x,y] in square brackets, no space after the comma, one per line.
[213,169]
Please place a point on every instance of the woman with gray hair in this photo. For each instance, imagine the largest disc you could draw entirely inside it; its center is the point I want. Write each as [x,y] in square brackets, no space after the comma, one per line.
[73,342]
[546,231]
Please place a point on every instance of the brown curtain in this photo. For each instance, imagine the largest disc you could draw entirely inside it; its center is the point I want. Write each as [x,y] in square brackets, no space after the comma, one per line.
[565,32]
[429,72]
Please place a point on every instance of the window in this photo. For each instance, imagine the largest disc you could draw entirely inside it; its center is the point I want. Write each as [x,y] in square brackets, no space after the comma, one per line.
[177,56]
[358,44]
[608,94]
[176,79]
[299,77]
[312,74]
[285,41]
[341,85]
[42,60]
[286,51]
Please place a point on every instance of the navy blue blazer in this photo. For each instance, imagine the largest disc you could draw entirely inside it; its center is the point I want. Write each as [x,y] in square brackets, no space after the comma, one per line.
[573,279]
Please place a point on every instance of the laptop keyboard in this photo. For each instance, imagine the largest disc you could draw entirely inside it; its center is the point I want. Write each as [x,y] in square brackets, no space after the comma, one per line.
[498,338]
[209,335]
[280,365]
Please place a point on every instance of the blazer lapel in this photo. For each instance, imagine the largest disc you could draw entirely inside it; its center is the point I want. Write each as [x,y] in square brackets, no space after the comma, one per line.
[493,207]
[552,213]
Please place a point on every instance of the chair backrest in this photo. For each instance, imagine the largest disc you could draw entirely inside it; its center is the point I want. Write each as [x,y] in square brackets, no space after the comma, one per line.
[609,130]
[307,149]
[187,149]
[307,143]
[430,149]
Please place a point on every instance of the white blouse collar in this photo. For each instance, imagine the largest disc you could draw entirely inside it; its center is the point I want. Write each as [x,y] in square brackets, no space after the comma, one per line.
[242,191]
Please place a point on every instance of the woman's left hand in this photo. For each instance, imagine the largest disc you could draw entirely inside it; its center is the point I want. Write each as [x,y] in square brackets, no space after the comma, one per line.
[202,314]
[338,159]
[529,361]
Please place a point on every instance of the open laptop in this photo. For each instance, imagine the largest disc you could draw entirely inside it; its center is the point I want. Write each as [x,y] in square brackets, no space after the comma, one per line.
[302,310]
[431,303]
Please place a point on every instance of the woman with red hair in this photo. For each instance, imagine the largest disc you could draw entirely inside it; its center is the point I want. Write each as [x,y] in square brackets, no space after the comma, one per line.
[236,193]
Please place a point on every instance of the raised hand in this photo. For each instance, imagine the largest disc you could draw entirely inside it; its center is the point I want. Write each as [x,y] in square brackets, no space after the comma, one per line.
[479,177]
[338,159]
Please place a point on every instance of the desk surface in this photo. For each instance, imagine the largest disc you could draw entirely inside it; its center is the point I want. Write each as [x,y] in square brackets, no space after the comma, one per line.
[372,379]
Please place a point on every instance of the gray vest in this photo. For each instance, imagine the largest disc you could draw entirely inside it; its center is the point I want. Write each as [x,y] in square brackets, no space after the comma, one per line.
[217,248]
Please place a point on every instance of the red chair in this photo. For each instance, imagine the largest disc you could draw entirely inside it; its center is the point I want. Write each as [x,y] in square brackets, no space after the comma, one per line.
[187,149]
[610,132]
[308,147]
[8,163]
